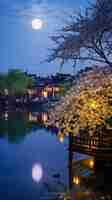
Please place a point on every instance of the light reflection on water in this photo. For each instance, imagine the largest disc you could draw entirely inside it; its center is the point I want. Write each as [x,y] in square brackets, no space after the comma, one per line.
[35,163]
[37,172]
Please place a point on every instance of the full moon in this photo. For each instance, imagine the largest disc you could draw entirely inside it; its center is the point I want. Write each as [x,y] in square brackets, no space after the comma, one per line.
[37,24]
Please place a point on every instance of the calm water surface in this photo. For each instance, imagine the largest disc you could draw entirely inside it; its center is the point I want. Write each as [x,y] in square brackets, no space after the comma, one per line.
[34,164]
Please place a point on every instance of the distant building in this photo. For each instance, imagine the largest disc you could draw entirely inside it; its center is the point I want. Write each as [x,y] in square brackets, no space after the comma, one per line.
[50,86]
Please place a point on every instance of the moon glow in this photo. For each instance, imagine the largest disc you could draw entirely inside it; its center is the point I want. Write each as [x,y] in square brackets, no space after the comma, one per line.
[37,24]
[37,173]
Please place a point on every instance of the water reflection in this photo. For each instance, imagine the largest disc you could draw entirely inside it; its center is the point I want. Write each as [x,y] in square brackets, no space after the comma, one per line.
[88,178]
[40,118]
[37,172]
[15,125]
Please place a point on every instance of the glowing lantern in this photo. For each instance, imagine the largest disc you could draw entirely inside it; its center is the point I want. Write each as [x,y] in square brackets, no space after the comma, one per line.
[76,180]
[91,163]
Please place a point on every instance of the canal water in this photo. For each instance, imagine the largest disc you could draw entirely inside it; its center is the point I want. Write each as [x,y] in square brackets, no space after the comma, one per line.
[35,163]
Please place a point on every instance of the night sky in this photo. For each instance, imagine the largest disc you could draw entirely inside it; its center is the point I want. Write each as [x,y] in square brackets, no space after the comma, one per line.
[25,48]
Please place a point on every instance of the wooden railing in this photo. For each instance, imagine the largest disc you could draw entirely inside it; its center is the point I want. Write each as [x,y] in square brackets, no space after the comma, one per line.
[92,143]
[97,147]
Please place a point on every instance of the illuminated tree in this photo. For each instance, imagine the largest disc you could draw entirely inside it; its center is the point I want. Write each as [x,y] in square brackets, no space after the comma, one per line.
[88,105]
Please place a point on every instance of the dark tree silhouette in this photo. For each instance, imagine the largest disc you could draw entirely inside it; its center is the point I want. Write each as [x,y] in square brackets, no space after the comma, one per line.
[15,81]
[86,37]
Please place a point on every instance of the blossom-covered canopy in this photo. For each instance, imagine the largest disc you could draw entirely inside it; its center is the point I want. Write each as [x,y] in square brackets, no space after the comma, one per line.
[88,104]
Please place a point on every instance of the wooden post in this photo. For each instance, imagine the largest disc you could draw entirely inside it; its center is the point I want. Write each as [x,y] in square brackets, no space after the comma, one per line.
[70,160]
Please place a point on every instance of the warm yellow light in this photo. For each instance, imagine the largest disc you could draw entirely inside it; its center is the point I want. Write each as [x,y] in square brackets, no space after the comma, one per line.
[37,24]
[61,137]
[49,89]
[88,104]
[56,89]
[91,163]
[93,104]
[32,118]
[30,92]
[44,117]
[45,94]
[76,180]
